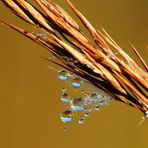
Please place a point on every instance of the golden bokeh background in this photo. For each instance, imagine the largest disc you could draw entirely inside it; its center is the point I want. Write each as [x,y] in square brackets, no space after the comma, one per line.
[30,92]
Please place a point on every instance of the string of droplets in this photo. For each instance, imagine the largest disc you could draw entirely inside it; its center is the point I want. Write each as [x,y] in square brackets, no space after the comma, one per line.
[93,98]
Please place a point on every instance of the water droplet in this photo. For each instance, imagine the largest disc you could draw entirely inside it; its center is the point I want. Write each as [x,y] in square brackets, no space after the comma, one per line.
[87,112]
[77,104]
[63,75]
[93,98]
[65,98]
[76,82]
[100,96]
[97,107]
[102,101]
[116,53]
[67,116]
[66,59]
[146,115]
[81,120]
[65,129]
[42,35]
[63,89]
[108,99]
[75,62]
[51,57]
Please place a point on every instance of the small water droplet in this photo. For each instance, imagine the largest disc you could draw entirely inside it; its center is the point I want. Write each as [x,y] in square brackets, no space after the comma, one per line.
[42,35]
[100,96]
[64,89]
[66,59]
[81,120]
[102,101]
[65,129]
[116,53]
[108,99]
[51,57]
[76,82]
[87,112]
[75,62]
[146,115]
[97,107]
[93,98]
[77,104]
[63,75]
[65,98]
[67,116]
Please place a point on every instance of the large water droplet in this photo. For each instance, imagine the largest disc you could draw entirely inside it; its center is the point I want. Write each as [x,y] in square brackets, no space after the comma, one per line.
[65,98]
[77,104]
[76,82]
[63,75]
[67,116]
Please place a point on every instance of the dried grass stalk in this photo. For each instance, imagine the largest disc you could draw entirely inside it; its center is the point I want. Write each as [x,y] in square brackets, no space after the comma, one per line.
[121,77]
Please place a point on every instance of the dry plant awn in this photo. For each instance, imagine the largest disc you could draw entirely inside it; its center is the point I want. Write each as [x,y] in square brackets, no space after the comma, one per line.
[94,64]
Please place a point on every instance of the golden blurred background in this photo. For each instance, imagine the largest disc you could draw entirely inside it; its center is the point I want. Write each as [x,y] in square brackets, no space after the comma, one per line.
[30,91]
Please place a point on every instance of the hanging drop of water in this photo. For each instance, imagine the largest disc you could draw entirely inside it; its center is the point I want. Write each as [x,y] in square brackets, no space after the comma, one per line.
[77,104]
[63,75]
[67,116]
[65,98]
[76,82]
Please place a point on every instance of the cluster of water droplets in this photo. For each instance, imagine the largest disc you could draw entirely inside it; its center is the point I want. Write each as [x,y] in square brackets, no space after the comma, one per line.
[90,98]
